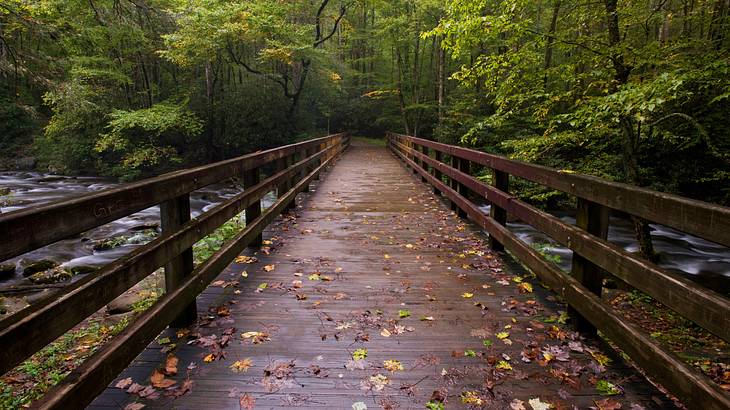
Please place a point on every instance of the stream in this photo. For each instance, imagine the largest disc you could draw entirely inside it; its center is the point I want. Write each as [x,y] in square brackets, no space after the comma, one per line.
[86,250]
[700,260]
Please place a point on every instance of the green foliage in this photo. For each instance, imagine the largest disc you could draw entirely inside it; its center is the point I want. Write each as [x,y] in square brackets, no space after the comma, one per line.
[147,141]
[206,247]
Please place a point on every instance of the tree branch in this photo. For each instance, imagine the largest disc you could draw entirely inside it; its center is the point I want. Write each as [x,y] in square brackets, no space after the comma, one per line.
[319,40]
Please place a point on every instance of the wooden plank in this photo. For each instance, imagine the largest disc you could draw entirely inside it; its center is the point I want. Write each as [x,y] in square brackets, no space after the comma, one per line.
[32,228]
[592,218]
[693,301]
[27,331]
[702,219]
[175,213]
[662,365]
[80,387]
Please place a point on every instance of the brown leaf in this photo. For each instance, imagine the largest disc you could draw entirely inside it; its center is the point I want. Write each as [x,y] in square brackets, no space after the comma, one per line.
[158,380]
[171,365]
[607,404]
[247,402]
[134,406]
[124,383]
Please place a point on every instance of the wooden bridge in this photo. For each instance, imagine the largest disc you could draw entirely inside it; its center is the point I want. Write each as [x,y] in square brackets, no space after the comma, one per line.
[374,293]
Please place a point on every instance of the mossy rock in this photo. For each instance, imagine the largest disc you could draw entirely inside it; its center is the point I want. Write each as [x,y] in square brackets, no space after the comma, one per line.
[50,276]
[38,266]
[81,269]
[6,270]
[111,243]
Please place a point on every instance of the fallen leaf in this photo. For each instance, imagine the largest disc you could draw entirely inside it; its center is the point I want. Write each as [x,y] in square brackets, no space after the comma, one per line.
[467,295]
[269,268]
[517,404]
[393,365]
[242,366]
[525,287]
[124,383]
[171,365]
[256,337]
[536,404]
[247,402]
[246,259]
[158,380]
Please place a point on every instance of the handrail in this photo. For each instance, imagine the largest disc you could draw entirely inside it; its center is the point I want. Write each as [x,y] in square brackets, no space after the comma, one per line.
[32,228]
[29,330]
[592,253]
[702,219]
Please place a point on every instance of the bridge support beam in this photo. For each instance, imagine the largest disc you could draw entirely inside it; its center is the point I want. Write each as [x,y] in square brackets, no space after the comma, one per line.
[593,218]
[253,211]
[174,214]
[500,180]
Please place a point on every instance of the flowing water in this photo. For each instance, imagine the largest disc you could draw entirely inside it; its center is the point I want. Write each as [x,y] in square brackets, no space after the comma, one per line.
[31,189]
[698,259]
[702,261]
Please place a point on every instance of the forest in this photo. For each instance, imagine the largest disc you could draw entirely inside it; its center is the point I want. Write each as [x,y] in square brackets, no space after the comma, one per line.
[633,91]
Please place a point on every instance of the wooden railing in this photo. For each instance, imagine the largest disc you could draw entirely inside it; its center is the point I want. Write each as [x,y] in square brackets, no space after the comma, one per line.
[29,330]
[594,256]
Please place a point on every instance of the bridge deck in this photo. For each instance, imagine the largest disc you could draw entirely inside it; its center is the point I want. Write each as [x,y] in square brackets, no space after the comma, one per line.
[381,244]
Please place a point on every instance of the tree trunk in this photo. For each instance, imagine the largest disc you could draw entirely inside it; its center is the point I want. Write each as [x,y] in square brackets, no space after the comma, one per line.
[630,142]
[441,79]
[551,40]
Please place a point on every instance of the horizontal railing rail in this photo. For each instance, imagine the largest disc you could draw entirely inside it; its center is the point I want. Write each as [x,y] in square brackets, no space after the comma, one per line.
[593,254]
[29,330]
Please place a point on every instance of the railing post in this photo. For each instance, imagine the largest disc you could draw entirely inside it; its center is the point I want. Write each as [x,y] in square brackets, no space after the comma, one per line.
[253,211]
[291,159]
[500,180]
[307,169]
[174,213]
[318,162]
[412,145]
[593,218]
[424,164]
[436,173]
[465,167]
[452,182]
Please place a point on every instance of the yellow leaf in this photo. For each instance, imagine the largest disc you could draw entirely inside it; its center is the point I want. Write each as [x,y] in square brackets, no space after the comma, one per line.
[502,335]
[393,365]
[525,287]
[209,358]
[467,295]
[242,366]
[269,268]
[246,259]
[503,365]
